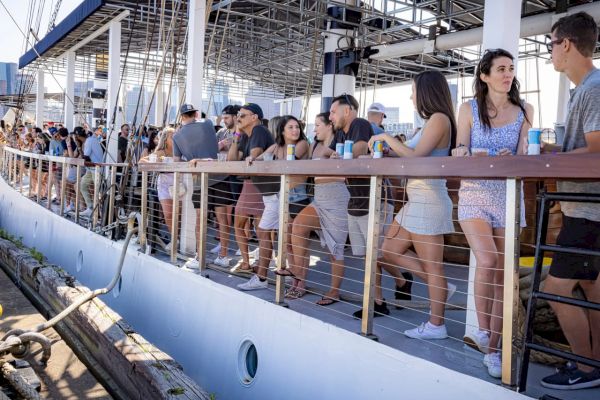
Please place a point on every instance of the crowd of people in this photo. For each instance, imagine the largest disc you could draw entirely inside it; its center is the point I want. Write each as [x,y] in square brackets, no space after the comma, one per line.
[496,121]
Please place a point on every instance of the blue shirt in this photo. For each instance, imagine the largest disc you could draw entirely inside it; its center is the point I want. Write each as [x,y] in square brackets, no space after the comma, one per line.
[93,149]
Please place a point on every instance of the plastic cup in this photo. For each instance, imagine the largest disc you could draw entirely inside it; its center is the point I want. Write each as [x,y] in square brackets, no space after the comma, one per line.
[268,157]
[221,156]
[152,158]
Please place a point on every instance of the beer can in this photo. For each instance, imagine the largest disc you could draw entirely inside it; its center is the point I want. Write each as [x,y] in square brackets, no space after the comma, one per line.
[378,149]
[533,138]
[339,148]
[291,152]
[348,149]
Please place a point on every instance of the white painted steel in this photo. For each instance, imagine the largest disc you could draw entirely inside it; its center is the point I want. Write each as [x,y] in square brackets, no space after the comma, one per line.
[39,98]
[114,80]
[202,324]
[498,31]
[530,26]
[69,106]
[195,52]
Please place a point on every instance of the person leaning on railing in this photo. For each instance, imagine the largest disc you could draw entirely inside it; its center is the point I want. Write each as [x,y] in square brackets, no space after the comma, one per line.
[288,133]
[496,121]
[572,44]
[427,215]
[73,147]
[165,181]
[344,115]
[250,140]
[327,214]
[92,152]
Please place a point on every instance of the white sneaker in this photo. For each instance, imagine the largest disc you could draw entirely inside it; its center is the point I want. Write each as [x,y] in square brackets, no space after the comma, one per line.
[451,291]
[238,253]
[68,209]
[216,249]
[254,284]
[86,213]
[222,261]
[479,340]
[192,264]
[168,247]
[493,362]
[273,265]
[254,253]
[427,331]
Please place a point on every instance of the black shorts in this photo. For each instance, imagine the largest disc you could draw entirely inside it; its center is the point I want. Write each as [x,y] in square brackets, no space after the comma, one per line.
[298,206]
[583,234]
[219,195]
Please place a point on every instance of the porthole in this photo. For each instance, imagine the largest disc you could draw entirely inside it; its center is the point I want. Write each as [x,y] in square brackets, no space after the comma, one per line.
[247,362]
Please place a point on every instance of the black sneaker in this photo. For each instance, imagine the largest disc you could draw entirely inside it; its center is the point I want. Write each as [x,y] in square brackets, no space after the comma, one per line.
[570,378]
[379,311]
[404,292]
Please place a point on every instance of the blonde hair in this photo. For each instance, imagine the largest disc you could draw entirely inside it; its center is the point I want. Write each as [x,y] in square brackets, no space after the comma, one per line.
[162,141]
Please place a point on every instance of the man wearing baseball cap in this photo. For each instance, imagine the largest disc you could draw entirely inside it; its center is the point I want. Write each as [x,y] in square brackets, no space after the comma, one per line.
[375,115]
[196,140]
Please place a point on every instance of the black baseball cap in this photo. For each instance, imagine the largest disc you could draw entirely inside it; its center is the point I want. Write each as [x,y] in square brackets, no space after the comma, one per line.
[254,109]
[187,108]
[231,110]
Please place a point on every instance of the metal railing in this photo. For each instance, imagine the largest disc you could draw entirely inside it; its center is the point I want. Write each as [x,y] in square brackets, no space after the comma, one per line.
[188,229]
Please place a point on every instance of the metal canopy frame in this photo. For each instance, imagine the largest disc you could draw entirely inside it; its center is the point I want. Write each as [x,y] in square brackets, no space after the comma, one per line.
[275,44]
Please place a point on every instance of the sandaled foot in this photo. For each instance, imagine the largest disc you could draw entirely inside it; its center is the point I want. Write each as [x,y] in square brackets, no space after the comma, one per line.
[285,272]
[295,293]
[327,301]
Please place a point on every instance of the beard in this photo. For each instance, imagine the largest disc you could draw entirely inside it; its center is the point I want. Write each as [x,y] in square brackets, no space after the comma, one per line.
[339,124]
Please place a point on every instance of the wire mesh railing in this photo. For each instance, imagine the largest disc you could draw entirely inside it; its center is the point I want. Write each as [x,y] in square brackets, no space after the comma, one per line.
[377,252]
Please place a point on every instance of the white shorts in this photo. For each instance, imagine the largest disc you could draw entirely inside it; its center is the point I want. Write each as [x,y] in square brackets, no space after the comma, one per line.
[270,216]
[358,229]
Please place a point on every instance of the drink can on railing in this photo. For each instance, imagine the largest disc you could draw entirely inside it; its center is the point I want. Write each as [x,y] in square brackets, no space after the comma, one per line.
[533,138]
[348,149]
[378,149]
[339,148]
[291,152]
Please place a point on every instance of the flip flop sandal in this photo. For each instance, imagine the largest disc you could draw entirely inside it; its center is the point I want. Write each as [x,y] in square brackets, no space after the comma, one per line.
[327,301]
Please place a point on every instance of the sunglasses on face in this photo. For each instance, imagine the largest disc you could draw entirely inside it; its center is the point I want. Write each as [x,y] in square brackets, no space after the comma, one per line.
[242,115]
[550,44]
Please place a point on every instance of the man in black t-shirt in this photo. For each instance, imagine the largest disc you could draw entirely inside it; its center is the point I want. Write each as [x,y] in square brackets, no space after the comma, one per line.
[251,141]
[344,115]
[122,143]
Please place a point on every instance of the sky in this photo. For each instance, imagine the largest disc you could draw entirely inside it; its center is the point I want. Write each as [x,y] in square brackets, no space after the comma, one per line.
[545,104]
[12,49]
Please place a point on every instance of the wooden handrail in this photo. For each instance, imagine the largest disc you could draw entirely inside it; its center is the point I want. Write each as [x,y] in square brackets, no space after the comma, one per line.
[559,166]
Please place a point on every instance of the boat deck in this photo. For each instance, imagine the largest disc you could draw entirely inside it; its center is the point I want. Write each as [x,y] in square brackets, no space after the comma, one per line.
[451,353]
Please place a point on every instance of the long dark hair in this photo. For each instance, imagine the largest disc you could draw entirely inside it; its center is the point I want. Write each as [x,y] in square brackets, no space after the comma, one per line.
[480,88]
[433,96]
[279,139]
[324,116]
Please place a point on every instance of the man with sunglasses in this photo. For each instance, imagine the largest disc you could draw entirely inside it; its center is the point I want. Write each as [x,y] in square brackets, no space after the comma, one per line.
[572,44]
[251,140]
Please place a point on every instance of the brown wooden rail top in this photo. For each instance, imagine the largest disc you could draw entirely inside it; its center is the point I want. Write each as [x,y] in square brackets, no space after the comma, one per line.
[561,166]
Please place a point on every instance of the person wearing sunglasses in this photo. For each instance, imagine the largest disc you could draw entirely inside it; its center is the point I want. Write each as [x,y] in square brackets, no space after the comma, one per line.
[572,45]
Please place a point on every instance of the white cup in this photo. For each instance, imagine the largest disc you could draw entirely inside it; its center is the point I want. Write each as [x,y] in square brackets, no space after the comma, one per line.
[221,156]
[152,158]
[268,157]
[479,152]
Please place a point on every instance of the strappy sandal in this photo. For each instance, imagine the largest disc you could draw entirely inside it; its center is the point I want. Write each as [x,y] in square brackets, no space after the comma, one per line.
[294,293]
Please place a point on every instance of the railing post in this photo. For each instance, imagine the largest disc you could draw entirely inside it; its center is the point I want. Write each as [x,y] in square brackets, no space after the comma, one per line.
[284,212]
[510,326]
[111,201]
[96,196]
[39,179]
[77,193]
[63,186]
[49,185]
[13,171]
[21,166]
[366,326]
[175,219]
[30,173]
[144,221]
[203,228]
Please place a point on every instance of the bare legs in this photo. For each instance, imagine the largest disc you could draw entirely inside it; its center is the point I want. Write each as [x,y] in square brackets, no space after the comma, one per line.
[487,245]
[426,263]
